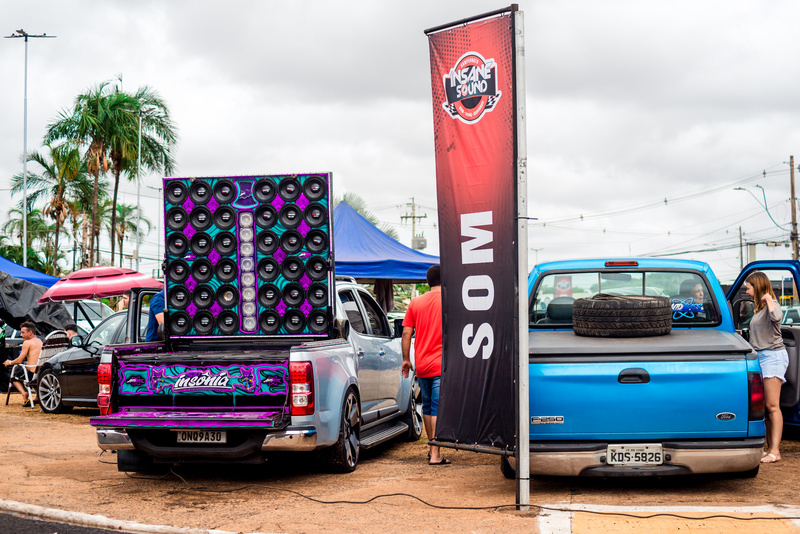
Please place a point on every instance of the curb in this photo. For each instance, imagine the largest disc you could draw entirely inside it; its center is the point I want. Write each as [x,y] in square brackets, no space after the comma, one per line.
[100,521]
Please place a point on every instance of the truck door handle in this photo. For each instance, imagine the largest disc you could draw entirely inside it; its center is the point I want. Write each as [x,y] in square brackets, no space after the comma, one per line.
[382,352]
[633,376]
[360,352]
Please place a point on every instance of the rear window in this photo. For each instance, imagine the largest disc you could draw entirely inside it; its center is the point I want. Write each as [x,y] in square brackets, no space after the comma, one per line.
[692,303]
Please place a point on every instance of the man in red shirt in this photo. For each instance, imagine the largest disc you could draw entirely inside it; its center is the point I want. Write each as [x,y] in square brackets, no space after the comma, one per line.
[425,316]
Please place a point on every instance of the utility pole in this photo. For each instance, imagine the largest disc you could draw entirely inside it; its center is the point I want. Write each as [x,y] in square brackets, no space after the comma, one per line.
[414,218]
[794,211]
[741,251]
[26,36]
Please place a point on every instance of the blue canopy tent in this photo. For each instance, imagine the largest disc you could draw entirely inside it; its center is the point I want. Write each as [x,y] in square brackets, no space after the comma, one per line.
[18,271]
[364,252]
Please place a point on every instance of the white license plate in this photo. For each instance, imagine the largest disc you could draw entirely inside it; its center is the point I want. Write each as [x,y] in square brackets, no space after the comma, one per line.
[634,455]
[201,436]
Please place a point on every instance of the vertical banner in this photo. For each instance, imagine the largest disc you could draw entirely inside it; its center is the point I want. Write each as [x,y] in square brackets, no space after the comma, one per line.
[472,77]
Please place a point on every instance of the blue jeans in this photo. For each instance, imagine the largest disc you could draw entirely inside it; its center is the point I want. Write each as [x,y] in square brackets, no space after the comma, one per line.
[430,394]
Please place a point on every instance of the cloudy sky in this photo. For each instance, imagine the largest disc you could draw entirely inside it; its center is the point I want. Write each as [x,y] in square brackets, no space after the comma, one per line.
[642,116]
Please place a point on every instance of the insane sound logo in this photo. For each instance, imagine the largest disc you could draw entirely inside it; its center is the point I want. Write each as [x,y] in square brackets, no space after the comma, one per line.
[471,88]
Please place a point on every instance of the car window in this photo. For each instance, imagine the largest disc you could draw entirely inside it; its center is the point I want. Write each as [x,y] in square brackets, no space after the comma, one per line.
[688,293]
[102,335]
[375,315]
[350,307]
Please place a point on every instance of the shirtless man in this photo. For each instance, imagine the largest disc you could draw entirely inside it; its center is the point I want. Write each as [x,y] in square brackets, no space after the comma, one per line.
[31,347]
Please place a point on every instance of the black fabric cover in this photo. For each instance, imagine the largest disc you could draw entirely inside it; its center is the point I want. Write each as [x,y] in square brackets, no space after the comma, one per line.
[18,303]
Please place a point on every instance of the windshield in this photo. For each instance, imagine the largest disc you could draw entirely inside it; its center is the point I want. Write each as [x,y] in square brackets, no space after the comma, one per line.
[692,304]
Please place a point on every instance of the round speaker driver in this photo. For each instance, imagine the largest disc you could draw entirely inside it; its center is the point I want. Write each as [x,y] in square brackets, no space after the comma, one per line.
[200,218]
[224,191]
[290,216]
[265,190]
[315,214]
[176,192]
[315,188]
[294,322]
[178,297]
[293,294]
[200,192]
[225,243]
[268,270]
[269,322]
[177,244]
[201,243]
[291,242]
[226,270]
[227,296]
[269,295]
[202,270]
[316,241]
[228,322]
[224,218]
[317,268]
[178,271]
[203,323]
[266,216]
[177,218]
[318,322]
[292,268]
[317,295]
[289,189]
[180,324]
[203,296]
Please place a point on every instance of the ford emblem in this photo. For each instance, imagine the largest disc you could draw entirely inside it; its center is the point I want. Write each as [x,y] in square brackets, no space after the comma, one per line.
[726,416]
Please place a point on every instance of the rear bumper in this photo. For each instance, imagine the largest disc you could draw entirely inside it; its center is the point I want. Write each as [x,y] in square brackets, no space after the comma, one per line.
[296,439]
[681,458]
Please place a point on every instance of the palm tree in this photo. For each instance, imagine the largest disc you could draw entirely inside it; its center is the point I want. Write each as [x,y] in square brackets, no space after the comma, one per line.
[157,140]
[63,178]
[126,224]
[360,205]
[38,229]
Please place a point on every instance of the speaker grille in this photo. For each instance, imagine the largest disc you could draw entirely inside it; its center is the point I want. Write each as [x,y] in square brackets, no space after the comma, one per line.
[249,256]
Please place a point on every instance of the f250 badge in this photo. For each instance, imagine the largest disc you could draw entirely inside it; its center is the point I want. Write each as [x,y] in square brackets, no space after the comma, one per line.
[471,88]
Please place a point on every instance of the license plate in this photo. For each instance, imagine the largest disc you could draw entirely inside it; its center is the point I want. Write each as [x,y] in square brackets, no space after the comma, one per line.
[201,436]
[634,455]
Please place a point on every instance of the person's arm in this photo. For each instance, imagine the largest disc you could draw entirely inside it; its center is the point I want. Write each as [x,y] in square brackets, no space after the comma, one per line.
[408,331]
[160,317]
[26,347]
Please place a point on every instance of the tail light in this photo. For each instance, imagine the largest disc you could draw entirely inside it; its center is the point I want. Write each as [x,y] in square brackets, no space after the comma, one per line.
[301,388]
[755,390]
[104,383]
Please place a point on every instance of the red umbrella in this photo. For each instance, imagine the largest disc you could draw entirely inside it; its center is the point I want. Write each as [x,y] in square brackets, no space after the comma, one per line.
[97,282]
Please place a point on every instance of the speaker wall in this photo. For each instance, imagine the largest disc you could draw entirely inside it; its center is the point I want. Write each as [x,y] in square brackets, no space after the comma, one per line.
[248,256]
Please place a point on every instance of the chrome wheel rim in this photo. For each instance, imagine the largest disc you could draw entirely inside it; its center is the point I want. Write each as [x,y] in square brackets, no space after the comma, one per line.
[350,424]
[49,392]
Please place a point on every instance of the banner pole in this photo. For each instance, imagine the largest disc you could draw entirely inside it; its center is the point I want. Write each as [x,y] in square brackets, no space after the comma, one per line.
[523,434]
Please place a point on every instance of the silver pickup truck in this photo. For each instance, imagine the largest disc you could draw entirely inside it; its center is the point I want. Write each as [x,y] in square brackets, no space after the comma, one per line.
[226,402]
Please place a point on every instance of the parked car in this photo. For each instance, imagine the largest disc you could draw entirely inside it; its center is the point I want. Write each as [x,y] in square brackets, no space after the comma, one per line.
[70,377]
[791,315]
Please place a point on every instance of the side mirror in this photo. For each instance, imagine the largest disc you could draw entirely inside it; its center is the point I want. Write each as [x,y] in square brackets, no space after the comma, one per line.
[398,327]
[342,327]
[76,341]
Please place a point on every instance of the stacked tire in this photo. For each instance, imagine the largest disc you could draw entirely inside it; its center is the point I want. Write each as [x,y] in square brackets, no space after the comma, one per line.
[618,316]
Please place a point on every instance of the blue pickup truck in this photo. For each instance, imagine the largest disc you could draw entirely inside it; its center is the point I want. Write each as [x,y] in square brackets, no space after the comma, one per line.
[638,396]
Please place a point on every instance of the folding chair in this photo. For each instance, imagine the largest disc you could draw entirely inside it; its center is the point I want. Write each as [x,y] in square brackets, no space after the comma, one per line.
[54,343]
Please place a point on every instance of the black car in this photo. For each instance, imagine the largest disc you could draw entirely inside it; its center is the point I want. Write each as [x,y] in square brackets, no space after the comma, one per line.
[70,377]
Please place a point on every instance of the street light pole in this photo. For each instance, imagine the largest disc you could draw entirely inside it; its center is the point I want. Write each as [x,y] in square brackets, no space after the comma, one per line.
[794,211]
[25,35]
[138,188]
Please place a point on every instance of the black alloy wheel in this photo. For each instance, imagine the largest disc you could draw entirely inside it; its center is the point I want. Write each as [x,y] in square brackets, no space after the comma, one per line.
[413,417]
[50,393]
[343,455]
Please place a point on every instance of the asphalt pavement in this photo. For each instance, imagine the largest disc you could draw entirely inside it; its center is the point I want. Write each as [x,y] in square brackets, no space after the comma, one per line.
[20,525]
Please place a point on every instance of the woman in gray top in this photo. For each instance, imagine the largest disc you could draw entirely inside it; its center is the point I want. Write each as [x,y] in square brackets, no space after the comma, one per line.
[766,339]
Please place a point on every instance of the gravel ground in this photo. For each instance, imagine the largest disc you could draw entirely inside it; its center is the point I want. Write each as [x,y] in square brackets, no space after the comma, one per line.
[53,461]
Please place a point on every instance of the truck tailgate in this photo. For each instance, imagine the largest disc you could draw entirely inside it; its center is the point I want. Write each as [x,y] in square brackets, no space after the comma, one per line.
[681,386]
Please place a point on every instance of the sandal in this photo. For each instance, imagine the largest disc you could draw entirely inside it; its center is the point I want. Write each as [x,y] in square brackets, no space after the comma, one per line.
[770,458]
[443,461]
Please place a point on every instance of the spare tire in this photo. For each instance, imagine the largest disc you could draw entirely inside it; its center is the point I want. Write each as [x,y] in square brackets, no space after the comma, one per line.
[616,316]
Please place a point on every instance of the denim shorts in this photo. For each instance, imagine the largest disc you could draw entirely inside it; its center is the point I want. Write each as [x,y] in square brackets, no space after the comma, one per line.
[773,363]
[430,394]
